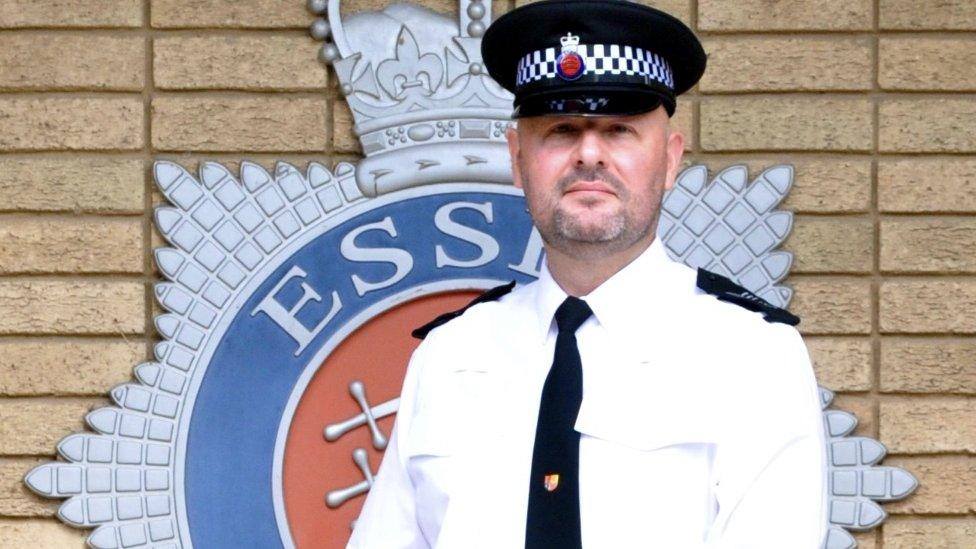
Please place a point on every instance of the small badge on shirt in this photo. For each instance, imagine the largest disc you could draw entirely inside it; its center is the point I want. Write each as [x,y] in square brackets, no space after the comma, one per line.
[551,482]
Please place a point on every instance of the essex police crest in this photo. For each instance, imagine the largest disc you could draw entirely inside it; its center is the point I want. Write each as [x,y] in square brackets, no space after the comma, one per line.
[289,298]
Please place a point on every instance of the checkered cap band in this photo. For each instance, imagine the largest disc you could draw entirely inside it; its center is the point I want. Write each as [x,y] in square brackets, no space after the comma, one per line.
[584,105]
[598,59]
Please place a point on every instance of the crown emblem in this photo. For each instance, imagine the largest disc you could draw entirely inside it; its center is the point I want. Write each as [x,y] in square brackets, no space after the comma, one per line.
[570,65]
[569,42]
[425,110]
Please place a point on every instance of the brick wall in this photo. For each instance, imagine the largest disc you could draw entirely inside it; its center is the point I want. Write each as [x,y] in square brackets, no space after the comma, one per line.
[872,101]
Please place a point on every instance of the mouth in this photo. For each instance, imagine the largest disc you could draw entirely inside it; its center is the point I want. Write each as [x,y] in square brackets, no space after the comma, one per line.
[590,187]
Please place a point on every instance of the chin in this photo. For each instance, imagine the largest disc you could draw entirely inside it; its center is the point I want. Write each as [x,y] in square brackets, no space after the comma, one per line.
[606,230]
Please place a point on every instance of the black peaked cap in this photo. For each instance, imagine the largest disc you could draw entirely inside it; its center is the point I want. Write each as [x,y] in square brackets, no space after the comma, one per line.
[541,25]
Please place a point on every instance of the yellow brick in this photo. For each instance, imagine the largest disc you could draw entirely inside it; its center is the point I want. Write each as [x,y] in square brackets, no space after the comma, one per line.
[230,13]
[65,306]
[831,244]
[783,123]
[938,244]
[914,63]
[832,305]
[820,185]
[927,125]
[64,183]
[945,484]
[944,14]
[841,185]
[70,245]
[498,7]
[771,63]
[238,62]
[74,123]
[928,425]
[928,305]
[38,534]
[678,8]
[867,540]
[75,13]
[66,366]
[929,532]
[343,137]
[927,185]
[33,426]
[763,15]
[841,363]
[53,61]
[863,408]
[443,6]
[239,123]
[929,365]
[15,499]
[446,7]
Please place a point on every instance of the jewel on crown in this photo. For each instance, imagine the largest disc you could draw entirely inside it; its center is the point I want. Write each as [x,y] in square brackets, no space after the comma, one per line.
[425,110]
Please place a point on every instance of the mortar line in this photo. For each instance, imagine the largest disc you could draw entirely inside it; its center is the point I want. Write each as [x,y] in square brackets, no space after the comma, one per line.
[876,279]
[147,176]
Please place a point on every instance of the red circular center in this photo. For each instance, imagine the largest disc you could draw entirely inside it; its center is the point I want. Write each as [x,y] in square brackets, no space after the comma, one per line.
[570,64]
[375,354]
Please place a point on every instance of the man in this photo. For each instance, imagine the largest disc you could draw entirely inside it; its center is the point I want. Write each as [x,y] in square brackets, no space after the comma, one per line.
[615,402]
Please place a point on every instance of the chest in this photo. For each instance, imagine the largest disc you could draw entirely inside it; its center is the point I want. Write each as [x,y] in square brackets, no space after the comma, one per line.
[646,448]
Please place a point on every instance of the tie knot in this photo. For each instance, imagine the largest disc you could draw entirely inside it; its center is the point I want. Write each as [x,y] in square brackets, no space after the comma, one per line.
[572,314]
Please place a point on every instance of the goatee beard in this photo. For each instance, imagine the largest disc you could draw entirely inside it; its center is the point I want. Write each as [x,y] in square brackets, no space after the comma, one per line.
[570,229]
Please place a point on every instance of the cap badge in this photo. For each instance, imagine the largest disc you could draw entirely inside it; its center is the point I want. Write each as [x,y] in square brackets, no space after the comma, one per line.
[569,64]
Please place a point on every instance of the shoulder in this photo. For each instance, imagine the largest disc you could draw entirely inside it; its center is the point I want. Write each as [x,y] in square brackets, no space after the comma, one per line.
[486,314]
[472,338]
[711,305]
[723,289]
[489,296]
[755,357]
[743,324]
[746,336]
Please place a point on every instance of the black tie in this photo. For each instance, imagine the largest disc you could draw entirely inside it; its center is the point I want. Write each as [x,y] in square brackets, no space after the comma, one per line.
[553,519]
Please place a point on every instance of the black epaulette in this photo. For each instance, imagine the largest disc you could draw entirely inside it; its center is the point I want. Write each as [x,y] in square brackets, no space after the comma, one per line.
[726,290]
[493,294]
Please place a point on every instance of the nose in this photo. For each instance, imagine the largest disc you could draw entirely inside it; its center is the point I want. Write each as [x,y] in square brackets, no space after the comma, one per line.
[592,150]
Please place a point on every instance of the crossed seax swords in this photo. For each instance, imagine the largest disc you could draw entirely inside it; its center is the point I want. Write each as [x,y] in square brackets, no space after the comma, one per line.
[360,457]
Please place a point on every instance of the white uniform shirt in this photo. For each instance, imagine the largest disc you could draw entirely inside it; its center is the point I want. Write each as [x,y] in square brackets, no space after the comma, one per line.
[700,422]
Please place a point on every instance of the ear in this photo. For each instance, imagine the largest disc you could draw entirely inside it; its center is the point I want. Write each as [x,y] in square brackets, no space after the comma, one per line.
[675,150]
[511,134]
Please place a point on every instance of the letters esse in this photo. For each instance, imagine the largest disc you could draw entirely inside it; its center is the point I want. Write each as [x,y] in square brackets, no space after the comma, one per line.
[403,262]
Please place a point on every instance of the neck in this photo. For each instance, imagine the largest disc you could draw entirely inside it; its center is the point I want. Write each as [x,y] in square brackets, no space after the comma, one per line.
[583,271]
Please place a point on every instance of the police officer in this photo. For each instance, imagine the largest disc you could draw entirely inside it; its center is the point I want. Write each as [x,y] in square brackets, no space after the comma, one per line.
[623,399]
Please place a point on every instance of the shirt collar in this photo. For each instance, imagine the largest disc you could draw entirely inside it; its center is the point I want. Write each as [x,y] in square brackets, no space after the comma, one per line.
[549,296]
[617,301]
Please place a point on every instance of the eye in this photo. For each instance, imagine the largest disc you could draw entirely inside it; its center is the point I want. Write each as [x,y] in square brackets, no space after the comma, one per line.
[562,131]
[620,129]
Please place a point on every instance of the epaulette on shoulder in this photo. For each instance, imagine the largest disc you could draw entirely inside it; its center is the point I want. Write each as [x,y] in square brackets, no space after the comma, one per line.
[726,290]
[493,294]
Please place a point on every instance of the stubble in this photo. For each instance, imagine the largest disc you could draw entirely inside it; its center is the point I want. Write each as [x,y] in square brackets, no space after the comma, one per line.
[582,235]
